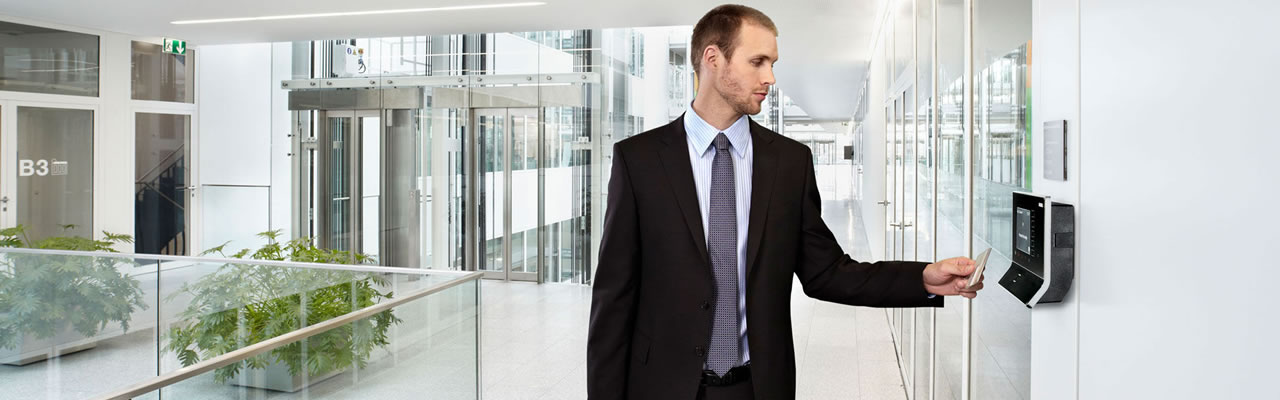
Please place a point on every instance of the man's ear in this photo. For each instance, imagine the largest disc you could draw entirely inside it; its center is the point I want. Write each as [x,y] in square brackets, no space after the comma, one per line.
[711,55]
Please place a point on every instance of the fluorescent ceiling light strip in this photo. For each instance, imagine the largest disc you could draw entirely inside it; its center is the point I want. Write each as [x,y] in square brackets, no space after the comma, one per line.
[356,13]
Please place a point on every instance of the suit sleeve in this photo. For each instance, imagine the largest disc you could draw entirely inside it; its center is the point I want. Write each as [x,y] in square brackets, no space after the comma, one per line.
[827,273]
[614,289]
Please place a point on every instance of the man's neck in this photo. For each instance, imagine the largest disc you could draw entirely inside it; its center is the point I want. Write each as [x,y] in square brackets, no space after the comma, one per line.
[716,112]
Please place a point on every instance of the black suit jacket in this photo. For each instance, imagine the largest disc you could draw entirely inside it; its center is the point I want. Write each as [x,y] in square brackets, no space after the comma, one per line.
[653,296]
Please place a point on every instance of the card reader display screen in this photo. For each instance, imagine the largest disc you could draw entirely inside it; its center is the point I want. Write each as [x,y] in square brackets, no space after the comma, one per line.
[1029,213]
[1022,236]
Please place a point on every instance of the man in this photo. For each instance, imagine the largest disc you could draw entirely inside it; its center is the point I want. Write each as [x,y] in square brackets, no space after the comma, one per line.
[708,219]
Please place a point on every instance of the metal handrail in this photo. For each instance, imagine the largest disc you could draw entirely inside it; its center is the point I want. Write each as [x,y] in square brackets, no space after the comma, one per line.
[255,349]
[216,260]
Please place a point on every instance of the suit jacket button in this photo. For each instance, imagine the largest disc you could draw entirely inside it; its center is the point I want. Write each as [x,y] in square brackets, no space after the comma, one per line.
[706,305]
[699,351]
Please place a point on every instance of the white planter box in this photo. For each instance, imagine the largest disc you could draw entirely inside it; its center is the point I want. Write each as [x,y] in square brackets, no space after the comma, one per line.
[277,377]
[31,349]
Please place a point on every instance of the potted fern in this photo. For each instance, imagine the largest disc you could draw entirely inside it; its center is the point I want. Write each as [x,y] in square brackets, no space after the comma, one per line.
[52,305]
[242,304]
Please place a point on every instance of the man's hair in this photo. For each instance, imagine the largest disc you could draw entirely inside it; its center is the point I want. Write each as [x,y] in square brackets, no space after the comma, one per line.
[720,27]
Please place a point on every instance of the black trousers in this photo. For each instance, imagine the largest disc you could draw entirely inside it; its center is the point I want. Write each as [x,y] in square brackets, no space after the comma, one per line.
[738,391]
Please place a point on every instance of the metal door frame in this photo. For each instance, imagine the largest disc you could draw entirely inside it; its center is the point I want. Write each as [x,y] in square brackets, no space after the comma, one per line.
[475,171]
[355,170]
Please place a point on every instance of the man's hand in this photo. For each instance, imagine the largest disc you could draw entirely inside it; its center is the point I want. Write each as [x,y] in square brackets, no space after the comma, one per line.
[949,277]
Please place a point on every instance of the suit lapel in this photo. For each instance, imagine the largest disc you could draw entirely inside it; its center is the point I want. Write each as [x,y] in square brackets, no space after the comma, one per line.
[763,171]
[675,160]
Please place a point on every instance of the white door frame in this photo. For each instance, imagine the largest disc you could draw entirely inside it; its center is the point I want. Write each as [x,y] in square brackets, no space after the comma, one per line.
[194,217]
[9,104]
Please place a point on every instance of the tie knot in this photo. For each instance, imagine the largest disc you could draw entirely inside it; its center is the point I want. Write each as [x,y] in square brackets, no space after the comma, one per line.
[721,141]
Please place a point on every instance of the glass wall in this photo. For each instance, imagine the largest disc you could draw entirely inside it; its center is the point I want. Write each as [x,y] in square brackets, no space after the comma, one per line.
[1001,355]
[524,186]
[923,173]
[954,155]
[44,60]
[950,162]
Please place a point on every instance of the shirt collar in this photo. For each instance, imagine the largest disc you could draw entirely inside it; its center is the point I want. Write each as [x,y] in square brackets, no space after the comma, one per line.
[702,133]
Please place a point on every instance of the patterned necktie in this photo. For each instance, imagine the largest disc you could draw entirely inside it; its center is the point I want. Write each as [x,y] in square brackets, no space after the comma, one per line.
[723,246]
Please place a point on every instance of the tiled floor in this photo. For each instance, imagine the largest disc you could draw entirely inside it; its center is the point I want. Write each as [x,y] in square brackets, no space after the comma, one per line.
[534,337]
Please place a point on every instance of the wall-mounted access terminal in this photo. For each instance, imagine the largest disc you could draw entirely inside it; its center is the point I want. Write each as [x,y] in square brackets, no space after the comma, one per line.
[1043,250]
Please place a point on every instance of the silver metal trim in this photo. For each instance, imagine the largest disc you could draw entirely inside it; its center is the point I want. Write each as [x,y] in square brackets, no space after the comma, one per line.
[966,345]
[431,81]
[215,260]
[348,83]
[406,81]
[508,143]
[243,353]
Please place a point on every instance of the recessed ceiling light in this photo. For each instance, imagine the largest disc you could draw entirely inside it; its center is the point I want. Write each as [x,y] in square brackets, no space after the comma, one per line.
[353,13]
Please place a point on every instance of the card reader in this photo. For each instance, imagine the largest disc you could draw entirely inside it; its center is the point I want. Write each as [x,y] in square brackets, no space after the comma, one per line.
[1043,250]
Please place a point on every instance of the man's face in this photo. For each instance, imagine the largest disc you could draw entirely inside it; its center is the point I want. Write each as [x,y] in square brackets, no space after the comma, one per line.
[745,78]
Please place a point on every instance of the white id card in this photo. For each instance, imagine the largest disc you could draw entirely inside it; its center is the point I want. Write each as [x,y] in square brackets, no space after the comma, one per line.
[981,263]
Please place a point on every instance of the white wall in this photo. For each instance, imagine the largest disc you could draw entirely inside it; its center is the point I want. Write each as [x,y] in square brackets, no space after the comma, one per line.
[281,142]
[113,147]
[1172,176]
[654,86]
[512,55]
[873,173]
[235,107]
[1056,96]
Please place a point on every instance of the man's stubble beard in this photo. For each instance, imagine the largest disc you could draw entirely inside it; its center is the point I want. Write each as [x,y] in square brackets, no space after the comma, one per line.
[746,106]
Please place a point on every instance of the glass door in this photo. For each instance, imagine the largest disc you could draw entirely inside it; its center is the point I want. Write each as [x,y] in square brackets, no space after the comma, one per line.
[507,195]
[901,152]
[162,184]
[333,201]
[347,182]
[47,175]
[890,229]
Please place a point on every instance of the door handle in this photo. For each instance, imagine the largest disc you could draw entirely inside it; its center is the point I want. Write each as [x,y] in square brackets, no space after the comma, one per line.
[192,190]
[883,203]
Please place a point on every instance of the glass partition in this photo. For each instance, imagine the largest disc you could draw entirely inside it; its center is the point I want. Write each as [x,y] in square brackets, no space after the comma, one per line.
[925,167]
[150,316]
[1001,355]
[44,60]
[951,160]
[55,172]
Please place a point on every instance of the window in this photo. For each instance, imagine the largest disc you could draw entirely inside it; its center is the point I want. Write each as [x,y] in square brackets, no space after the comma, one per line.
[43,60]
[161,76]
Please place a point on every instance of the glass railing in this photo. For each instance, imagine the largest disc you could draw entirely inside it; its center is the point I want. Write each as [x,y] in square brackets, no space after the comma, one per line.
[93,325]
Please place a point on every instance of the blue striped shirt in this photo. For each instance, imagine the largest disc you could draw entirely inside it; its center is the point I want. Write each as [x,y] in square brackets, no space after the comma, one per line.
[701,155]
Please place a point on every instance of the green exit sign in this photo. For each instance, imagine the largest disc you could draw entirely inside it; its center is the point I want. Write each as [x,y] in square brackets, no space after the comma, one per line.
[175,46]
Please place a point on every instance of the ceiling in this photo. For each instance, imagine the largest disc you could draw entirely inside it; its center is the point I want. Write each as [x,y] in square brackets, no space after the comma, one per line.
[823,44]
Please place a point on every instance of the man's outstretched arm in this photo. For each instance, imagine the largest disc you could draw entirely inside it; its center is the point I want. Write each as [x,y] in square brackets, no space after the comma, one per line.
[827,273]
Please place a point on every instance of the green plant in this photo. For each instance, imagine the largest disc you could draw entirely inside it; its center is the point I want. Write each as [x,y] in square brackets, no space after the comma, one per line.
[242,304]
[42,294]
